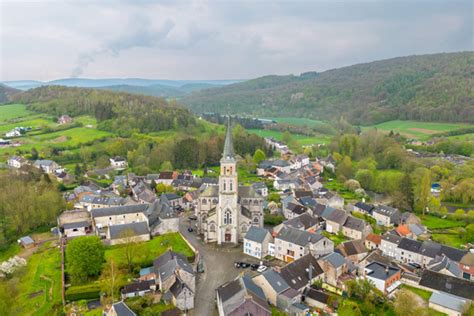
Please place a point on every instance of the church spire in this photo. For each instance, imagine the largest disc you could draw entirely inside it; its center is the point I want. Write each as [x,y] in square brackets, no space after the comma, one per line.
[228,145]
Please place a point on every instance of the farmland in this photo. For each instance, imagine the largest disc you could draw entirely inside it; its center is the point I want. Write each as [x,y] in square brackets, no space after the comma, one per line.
[12,111]
[417,130]
[302,139]
[298,121]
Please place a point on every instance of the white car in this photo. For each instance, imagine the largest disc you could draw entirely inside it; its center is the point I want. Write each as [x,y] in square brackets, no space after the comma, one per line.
[262,268]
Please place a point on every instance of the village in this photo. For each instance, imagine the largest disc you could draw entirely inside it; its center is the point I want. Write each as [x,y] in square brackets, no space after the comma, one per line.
[299,266]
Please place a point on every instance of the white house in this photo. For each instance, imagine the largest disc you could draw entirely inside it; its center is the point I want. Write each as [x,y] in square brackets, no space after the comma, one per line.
[385,215]
[256,242]
[16,161]
[118,162]
[13,133]
[47,166]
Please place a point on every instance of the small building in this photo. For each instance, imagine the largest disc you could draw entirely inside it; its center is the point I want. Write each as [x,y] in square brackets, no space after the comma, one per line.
[356,228]
[256,242]
[363,208]
[77,229]
[17,162]
[47,166]
[334,266]
[389,244]
[118,162]
[438,282]
[335,221]
[301,272]
[373,241]
[138,288]
[272,285]
[448,304]
[124,233]
[317,299]
[466,264]
[120,309]
[386,215]
[261,188]
[386,278]
[353,250]
[26,242]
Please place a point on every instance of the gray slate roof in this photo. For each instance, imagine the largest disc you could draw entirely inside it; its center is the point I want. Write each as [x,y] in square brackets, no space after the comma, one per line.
[276,281]
[121,309]
[119,210]
[380,271]
[335,259]
[298,237]
[452,302]
[256,234]
[118,231]
[76,225]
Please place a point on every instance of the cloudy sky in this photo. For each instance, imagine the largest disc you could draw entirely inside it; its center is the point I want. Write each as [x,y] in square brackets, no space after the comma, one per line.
[45,40]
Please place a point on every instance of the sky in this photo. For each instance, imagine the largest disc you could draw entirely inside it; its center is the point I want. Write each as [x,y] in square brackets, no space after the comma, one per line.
[226,39]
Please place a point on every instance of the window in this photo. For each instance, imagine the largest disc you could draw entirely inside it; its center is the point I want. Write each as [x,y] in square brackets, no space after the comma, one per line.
[230,184]
[224,186]
[204,201]
[227,217]
[255,220]
[212,227]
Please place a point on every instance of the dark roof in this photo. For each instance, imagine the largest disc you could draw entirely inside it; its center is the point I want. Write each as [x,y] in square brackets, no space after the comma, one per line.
[166,175]
[121,309]
[352,247]
[119,210]
[137,286]
[392,238]
[76,225]
[452,253]
[364,206]
[171,312]
[139,228]
[177,287]
[410,245]
[300,193]
[275,280]
[338,216]
[296,208]
[318,209]
[381,271]
[355,223]
[335,259]
[296,274]
[299,237]
[304,221]
[317,295]
[256,234]
[448,284]
[391,212]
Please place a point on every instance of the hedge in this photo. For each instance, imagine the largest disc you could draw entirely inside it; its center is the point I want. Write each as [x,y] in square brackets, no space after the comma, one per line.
[83,292]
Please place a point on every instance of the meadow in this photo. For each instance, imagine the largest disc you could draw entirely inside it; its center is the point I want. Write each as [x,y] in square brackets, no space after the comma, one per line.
[303,140]
[11,111]
[416,130]
[298,121]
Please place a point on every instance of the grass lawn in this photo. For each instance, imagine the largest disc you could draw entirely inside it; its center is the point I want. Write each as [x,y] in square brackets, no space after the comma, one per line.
[424,294]
[338,187]
[466,137]
[302,139]
[418,130]
[148,251]
[33,121]
[43,273]
[433,222]
[10,111]
[453,240]
[336,239]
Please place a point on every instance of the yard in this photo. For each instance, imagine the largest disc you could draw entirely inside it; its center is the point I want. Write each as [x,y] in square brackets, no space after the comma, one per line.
[39,287]
[417,130]
[338,187]
[150,250]
[433,222]
[336,239]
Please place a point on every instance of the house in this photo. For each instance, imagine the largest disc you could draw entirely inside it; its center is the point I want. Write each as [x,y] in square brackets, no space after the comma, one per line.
[120,309]
[409,218]
[242,296]
[334,266]
[167,177]
[374,256]
[123,214]
[96,201]
[17,162]
[172,199]
[409,251]
[418,231]
[356,228]
[438,282]
[386,278]
[262,166]
[273,285]
[466,264]
[171,266]
[182,295]
[353,250]
[142,193]
[304,221]
[138,288]
[389,244]
[403,231]
[64,119]
[284,184]
[448,304]
[118,162]
[293,210]
[125,233]
[335,220]
[373,241]
[26,242]
[363,208]
[444,265]
[302,272]
[74,223]
[261,188]
[47,166]
[386,215]
[256,242]
[317,299]
[291,244]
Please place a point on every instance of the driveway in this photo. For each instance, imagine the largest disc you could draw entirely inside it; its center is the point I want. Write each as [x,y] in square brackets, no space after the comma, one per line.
[218,269]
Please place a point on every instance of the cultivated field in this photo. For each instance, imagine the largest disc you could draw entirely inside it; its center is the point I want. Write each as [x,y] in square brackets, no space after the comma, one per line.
[302,139]
[297,121]
[417,130]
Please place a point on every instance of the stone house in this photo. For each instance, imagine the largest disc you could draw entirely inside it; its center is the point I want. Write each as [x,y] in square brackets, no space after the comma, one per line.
[356,228]
[256,242]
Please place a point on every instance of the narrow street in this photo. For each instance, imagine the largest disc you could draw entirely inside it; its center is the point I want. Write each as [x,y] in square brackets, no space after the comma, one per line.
[218,269]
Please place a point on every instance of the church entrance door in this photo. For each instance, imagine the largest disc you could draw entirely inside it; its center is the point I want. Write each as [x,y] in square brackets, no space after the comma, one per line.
[228,237]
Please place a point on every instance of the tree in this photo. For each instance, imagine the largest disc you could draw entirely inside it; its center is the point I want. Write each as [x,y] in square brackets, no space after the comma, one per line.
[422,189]
[286,137]
[163,188]
[349,308]
[130,248]
[166,166]
[344,169]
[77,170]
[406,304]
[110,277]
[84,257]
[34,154]
[259,156]
[365,178]
[103,162]
[274,197]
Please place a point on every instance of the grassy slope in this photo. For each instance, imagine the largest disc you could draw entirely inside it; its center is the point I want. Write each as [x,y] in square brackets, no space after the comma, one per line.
[11,111]
[298,121]
[302,139]
[418,130]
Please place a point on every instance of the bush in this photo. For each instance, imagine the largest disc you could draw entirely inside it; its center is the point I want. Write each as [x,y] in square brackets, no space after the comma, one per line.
[273,220]
[83,292]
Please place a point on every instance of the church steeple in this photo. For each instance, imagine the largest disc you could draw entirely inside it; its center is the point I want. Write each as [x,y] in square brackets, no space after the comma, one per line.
[228,144]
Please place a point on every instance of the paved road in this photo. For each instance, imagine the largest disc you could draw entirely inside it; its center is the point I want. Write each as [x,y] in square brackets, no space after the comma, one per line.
[218,269]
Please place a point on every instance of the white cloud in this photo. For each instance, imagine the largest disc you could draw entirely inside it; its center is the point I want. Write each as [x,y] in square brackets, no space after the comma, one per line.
[217,39]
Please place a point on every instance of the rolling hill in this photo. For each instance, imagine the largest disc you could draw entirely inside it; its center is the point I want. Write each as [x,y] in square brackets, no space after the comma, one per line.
[6,93]
[436,87]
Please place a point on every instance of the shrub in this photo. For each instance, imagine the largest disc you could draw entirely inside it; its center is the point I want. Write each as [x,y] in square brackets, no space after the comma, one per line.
[83,292]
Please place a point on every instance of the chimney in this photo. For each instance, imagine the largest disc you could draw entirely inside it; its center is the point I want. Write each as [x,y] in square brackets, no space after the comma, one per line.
[386,269]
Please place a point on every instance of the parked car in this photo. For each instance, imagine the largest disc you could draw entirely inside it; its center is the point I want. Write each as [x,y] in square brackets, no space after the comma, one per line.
[192,218]
[244,265]
[262,268]
[254,266]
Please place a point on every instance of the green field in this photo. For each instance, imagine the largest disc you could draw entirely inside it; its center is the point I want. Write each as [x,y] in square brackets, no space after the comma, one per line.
[417,130]
[43,273]
[11,111]
[433,222]
[302,139]
[465,137]
[148,251]
[297,121]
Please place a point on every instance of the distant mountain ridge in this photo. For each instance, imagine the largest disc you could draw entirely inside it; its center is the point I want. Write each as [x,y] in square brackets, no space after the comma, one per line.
[437,87]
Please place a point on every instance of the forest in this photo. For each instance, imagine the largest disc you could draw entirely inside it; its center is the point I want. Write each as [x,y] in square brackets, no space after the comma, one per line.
[434,87]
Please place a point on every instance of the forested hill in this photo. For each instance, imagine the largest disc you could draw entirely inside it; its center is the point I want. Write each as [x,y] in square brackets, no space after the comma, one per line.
[6,93]
[435,87]
[114,111]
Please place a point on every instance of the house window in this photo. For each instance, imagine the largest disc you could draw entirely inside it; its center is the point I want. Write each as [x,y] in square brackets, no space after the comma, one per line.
[230,184]
[224,186]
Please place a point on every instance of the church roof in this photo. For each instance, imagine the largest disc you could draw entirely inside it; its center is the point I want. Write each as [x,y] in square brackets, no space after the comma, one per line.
[228,144]
[210,191]
[248,192]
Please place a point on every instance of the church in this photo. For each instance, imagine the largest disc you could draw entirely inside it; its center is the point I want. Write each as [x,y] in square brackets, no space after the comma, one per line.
[226,211]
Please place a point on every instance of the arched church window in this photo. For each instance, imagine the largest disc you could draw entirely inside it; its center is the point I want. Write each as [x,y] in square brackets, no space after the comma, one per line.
[214,201]
[204,201]
[227,217]
[212,227]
